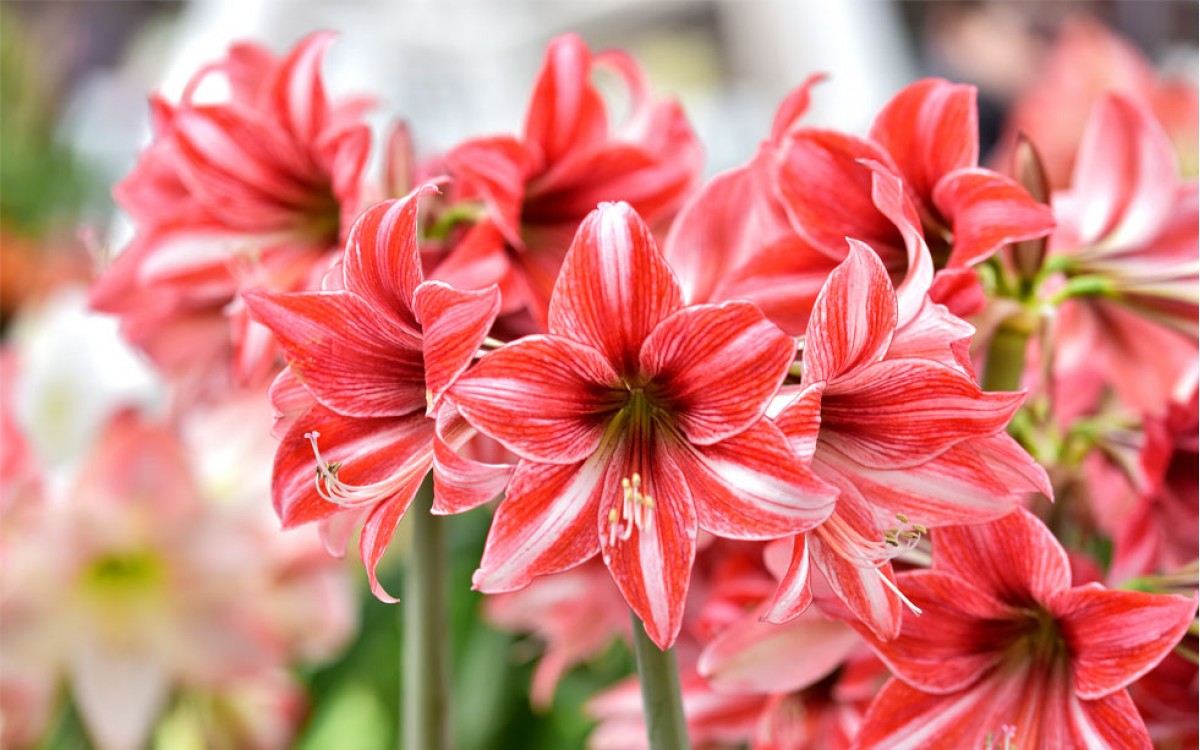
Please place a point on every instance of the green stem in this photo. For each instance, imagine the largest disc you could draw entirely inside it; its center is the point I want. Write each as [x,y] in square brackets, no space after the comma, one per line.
[662,698]
[1005,359]
[426,646]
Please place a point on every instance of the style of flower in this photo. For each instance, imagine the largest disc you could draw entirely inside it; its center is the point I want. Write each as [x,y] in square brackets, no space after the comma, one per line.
[376,357]
[638,420]
[889,417]
[537,188]
[1127,243]
[253,192]
[1009,652]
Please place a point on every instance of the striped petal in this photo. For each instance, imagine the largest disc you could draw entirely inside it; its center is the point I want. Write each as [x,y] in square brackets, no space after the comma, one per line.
[546,523]
[987,211]
[752,486]
[614,287]
[716,367]
[1115,637]
[454,324]
[354,360]
[853,320]
[902,413]
[545,398]
[930,129]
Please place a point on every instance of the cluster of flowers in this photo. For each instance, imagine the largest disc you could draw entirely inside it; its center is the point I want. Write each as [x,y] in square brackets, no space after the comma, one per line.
[752,403]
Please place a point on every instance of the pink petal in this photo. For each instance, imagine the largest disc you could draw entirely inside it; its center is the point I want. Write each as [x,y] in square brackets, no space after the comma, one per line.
[969,483]
[296,93]
[545,398]
[783,279]
[495,169]
[794,594]
[793,108]
[901,413]
[853,319]
[987,211]
[889,195]
[652,567]
[614,287]
[959,635]
[930,129]
[461,483]
[1124,179]
[119,689]
[380,527]
[752,486]
[826,191]
[861,588]
[1115,637]
[383,264]
[715,368]
[353,359]
[932,334]
[454,323]
[732,217]
[369,451]
[546,523]
[566,112]
[759,657]
[800,421]
[1034,568]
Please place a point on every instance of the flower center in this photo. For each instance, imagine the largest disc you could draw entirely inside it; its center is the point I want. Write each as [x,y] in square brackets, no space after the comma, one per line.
[636,510]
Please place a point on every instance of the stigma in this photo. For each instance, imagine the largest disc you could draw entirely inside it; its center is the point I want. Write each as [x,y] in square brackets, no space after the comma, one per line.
[635,510]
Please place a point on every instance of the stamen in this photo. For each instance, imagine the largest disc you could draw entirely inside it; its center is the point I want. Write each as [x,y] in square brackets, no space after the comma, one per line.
[635,510]
[334,490]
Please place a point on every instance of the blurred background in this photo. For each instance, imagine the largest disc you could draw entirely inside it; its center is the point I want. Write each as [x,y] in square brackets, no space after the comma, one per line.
[74,78]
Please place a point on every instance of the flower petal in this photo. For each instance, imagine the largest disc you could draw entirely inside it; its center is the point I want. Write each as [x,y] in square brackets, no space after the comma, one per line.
[794,594]
[614,287]
[380,527]
[369,451]
[793,108]
[353,359]
[800,421]
[565,112]
[383,264]
[826,190]
[962,633]
[716,367]
[295,91]
[495,169]
[752,486]
[454,323]
[853,320]
[930,129]
[545,398]
[546,523]
[901,413]
[987,211]
[653,566]
[1035,566]
[1115,637]
[461,483]
[760,657]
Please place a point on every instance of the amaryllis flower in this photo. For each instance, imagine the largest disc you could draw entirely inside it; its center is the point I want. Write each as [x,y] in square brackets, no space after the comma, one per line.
[136,585]
[903,431]
[929,135]
[252,192]
[1127,242]
[638,420]
[537,188]
[376,357]
[1008,650]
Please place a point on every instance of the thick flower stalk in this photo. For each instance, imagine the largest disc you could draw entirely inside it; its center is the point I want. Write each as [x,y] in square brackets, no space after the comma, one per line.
[1009,651]
[638,421]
